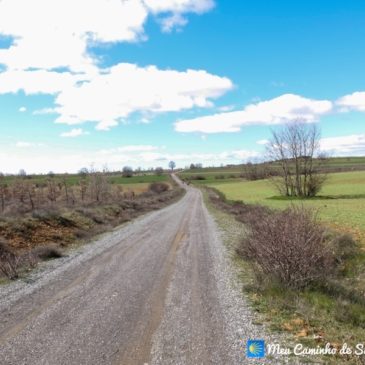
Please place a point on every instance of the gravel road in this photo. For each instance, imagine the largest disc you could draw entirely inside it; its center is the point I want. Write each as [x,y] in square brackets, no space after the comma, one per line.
[156,291]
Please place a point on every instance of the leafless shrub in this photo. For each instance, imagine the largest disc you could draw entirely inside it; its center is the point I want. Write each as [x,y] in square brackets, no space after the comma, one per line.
[159,171]
[29,260]
[31,194]
[9,262]
[19,190]
[296,149]
[93,214]
[127,171]
[4,194]
[288,247]
[117,193]
[99,187]
[158,187]
[344,247]
[64,185]
[52,191]
[129,195]
[83,188]
[254,171]
[46,252]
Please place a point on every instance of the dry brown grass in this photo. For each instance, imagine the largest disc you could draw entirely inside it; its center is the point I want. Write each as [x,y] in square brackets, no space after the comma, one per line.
[9,262]
[45,230]
[288,247]
[158,187]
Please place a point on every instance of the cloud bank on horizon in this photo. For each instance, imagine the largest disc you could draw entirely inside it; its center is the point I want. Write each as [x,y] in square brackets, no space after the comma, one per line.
[283,109]
[50,54]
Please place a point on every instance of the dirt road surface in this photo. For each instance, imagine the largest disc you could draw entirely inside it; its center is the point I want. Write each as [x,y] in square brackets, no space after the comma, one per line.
[156,291]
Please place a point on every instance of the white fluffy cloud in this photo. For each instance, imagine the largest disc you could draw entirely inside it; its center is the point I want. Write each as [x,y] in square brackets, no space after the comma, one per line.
[130,148]
[37,82]
[137,148]
[280,110]
[51,34]
[173,21]
[22,109]
[50,55]
[177,8]
[355,101]
[126,88]
[352,145]
[76,132]
[22,144]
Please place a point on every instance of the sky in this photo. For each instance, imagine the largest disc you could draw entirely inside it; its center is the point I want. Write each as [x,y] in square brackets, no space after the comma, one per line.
[142,82]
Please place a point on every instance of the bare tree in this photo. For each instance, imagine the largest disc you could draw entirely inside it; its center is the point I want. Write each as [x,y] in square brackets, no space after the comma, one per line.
[172,165]
[19,190]
[83,187]
[105,169]
[158,171]
[99,187]
[296,149]
[83,171]
[254,170]
[65,186]
[127,171]
[31,194]
[4,192]
[52,190]
[22,173]
[9,262]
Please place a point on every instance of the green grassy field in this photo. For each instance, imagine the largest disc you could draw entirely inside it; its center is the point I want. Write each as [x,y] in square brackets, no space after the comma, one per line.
[341,203]
[113,179]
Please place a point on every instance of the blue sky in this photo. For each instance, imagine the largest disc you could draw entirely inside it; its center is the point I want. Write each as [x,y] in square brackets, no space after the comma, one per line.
[140,82]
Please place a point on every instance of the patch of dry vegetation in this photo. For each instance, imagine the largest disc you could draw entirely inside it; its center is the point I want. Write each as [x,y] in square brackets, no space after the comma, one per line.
[38,222]
[302,278]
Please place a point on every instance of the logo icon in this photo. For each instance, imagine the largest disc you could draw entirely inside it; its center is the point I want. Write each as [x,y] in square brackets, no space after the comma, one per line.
[255,349]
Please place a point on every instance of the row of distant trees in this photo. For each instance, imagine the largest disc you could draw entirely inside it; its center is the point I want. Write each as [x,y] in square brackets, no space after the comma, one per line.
[127,171]
[194,166]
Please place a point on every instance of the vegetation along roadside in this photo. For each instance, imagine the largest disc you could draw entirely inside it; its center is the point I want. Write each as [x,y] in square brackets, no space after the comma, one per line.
[40,220]
[302,278]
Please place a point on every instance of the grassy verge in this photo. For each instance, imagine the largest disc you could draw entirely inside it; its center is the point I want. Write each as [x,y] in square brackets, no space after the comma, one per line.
[333,313]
